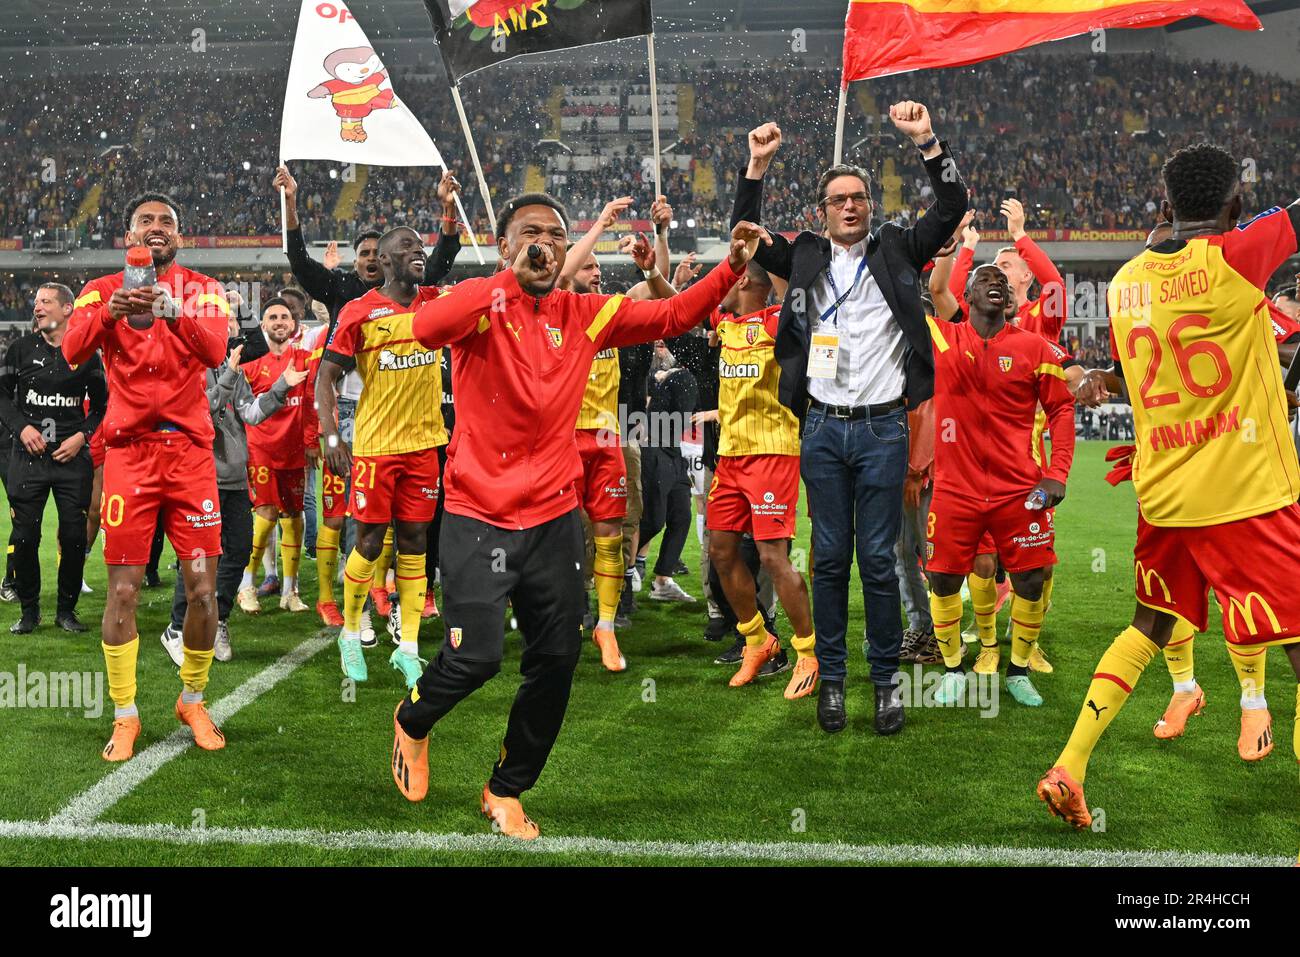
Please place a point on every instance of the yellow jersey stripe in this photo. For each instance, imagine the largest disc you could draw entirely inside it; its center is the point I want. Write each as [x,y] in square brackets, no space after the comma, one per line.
[212,299]
[604,316]
[89,299]
[1050,368]
[940,342]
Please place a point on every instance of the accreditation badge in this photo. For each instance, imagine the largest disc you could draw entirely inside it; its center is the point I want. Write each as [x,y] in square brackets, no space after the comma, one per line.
[824,356]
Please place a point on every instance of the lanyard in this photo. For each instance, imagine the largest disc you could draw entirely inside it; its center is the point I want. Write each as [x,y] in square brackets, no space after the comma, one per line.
[830,277]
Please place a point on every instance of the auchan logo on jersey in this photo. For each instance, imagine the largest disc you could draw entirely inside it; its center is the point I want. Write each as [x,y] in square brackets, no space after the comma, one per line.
[1245,609]
[390,361]
[1195,431]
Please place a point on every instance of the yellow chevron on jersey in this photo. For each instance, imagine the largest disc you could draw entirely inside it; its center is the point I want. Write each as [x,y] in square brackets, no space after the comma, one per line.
[753,420]
[600,400]
[1209,411]
[400,409]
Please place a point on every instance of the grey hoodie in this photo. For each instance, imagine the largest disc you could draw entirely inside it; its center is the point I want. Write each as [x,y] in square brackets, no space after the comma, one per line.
[232,404]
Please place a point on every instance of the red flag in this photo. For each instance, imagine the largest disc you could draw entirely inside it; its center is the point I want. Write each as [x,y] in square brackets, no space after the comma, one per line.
[882,37]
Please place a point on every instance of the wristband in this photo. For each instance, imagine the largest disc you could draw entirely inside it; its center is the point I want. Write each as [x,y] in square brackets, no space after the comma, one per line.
[928,143]
[332,441]
[450,219]
[650,273]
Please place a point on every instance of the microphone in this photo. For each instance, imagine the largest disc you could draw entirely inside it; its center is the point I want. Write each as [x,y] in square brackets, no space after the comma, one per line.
[535,255]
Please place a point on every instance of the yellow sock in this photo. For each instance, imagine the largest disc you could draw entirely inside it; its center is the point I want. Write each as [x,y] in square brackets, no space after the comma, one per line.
[984,599]
[194,668]
[1295,738]
[945,611]
[1047,592]
[1026,623]
[411,583]
[1179,656]
[803,645]
[356,582]
[608,572]
[327,561]
[262,528]
[291,546]
[754,630]
[119,662]
[384,561]
[1116,675]
[1250,667]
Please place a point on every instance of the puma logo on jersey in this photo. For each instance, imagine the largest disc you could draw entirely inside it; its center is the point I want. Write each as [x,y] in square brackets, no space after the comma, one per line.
[391,362]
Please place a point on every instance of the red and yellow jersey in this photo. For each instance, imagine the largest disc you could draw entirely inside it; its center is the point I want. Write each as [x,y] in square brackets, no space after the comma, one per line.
[400,409]
[279,440]
[600,400]
[752,418]
[986,395]
[1191,326]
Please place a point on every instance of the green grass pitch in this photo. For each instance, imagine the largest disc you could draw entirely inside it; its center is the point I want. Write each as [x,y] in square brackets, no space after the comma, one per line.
[665,751]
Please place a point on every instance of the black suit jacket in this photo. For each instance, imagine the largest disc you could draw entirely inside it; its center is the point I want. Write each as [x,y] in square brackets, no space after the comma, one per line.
[895,255]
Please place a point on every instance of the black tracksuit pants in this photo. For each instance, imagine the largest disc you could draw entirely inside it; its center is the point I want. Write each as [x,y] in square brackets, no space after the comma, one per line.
[539,570]
[32,479]
[236,547]
[666,504]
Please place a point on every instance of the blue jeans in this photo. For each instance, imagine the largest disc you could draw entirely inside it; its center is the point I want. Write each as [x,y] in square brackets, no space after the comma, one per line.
[854,472]
[309,510]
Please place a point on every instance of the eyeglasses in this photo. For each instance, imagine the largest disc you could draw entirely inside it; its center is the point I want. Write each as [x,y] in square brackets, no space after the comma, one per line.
[838,202]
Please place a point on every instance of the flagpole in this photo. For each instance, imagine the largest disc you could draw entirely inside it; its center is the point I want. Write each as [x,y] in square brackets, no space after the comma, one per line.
[654,109]
[284,218]
[473,155]
[469,227]
[839,123]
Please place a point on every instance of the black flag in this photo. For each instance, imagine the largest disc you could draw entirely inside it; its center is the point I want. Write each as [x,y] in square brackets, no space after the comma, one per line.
[473,34]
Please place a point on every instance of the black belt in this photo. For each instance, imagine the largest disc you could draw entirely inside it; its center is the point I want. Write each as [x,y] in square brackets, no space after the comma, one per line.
[857,411]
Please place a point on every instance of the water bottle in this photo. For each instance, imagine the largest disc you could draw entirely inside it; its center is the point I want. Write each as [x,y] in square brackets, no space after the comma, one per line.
[1037,500]
[139,272]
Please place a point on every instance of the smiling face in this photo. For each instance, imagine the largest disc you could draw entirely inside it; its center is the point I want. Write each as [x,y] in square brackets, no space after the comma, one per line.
[278,324]
[846,209]
[356,72]
[402,257]
[48,311]
[538,225]
[154,226]
[989,293]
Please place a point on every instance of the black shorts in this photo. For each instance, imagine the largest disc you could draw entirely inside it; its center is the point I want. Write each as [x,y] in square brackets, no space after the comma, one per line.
[538,570]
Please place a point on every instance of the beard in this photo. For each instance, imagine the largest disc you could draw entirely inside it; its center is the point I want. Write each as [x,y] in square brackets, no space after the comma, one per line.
[664,361]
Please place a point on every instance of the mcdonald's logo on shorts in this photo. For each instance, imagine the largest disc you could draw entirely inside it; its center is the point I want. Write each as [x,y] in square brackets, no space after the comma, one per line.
[1144,578]
[1246,610]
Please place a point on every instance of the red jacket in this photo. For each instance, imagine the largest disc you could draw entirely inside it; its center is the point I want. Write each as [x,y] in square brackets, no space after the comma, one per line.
[521,367]
[281,440]
[986,396]
[155,375]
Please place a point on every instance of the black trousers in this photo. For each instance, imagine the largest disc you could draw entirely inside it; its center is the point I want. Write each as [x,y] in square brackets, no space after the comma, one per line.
[749,554]
[538,570]
[666,504]
[6,449]
[32,479]
[435,527]
[236,547]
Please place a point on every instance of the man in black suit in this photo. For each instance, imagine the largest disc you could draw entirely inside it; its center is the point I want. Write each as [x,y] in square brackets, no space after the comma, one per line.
[854,352]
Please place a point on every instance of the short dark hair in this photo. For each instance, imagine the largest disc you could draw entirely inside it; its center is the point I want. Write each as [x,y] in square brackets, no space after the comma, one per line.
[275,301]
[143,198]
[64,293]
[294,291]
[387,237]
[362,236]
[1199,180]
[842,169]
[758,275]
[516,203]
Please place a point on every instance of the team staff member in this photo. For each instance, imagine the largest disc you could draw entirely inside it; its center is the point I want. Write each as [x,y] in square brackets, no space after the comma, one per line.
[42,401]
[394,460]
[511,529]
[990,378]
[156,343]
[855,354]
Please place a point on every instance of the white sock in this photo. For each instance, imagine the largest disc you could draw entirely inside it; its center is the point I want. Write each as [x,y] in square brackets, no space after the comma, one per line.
[290,584]
[409,648]
[191,697]
[129,711]
[1186,687]
[1253,702]
[247,580]
[604,625]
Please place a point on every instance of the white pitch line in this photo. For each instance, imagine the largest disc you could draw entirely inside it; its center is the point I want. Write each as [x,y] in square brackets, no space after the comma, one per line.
[785,852]
[94,801]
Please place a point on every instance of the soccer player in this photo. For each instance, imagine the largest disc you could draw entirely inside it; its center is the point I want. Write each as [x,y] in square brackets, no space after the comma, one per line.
[43,403]
[333,498]
[1215,470]
[394,458]
[990,378]
[156,342]
[755,488]
[523,352]
[277,457]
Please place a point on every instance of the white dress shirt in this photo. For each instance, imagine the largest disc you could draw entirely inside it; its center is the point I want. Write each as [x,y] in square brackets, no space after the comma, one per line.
[870,369]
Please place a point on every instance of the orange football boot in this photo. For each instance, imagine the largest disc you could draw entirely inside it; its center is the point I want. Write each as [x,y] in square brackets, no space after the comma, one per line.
[329,614]
[410,762]
[1256,741]
[804,678]
[430,606]
[755,657]
[1004,592]
[1183,705]
[508,816]
[1064,797]
[206,734]
[610,656]
[122,744]
[382,602]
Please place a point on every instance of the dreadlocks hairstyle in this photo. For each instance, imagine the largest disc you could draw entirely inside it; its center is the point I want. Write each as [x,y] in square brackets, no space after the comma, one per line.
[1199,180]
